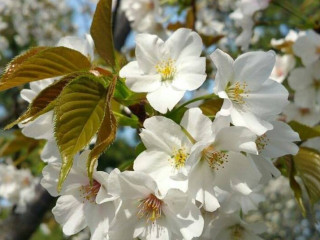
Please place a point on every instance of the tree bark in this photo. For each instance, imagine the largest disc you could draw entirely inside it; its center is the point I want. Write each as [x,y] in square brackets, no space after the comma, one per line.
[22,226]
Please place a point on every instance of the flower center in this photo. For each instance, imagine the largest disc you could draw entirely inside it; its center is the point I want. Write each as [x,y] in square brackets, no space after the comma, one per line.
[262,142]
[150,208]
[237,92]
[89,192]
[304,111]
[166,69]
[216,159]
[318,50]
[179,158]
[237,232]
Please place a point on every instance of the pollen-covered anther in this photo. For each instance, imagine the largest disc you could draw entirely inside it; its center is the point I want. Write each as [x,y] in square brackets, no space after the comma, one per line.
[166,69]
[215,159]
[262,142]
[237,232]
[89,192]
[179,158]
[150,208]
[237,92]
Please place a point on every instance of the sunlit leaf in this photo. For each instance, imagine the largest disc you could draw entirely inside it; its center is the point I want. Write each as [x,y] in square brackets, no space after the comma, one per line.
[45,100]
[43,63]
[307,164]
[106,133]
[79,112]
[101,31]
[304,131]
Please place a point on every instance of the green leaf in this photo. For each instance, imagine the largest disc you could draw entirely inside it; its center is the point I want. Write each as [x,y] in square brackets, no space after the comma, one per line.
[101,31]
[304,131]
[43,63]
[307,164]
[45,100]
[79,112]
[107,131]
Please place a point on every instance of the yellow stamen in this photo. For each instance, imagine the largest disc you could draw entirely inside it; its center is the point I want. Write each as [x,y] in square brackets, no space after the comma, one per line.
[179,158]
[215,159]
[262,142]
[237,92]
[166,69]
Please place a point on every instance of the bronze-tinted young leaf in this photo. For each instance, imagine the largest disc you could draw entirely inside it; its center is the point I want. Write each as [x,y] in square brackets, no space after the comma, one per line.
[307,164]
[305,132]
[44,101]
[18,60]
[211,107]
[79,112]
[101,31]
[41,64]
[107,131]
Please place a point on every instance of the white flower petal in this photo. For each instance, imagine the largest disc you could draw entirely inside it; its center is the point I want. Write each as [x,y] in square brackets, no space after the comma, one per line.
[69,212]
[224,64]
[183,43]
[197,124]
[149,52]
[236,139]
[254,68]
[300,78]
[137,81]
[165,98]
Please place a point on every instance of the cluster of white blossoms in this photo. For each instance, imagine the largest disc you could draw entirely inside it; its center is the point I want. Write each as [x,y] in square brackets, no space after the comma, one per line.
[304,79]
[32,21]
[17,186]
[196,178]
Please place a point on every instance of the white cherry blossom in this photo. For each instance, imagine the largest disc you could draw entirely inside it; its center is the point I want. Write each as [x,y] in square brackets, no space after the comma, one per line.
[227,227]
[307,47]
[306,83]
[142,14]
[144,213]
[218,146]
[285,44]
[166,70]
[167,151]
[250,96]
[80,204]
[309,116]
[274,143]
[284,64]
